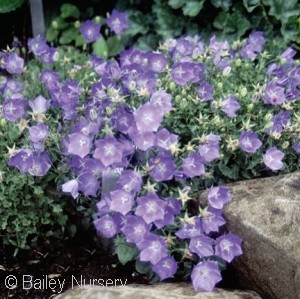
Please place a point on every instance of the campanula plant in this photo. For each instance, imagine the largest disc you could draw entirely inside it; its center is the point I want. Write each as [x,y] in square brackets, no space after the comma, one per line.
[141,135]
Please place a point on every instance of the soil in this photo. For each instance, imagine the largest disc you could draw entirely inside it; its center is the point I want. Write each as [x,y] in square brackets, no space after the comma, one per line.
[70,260]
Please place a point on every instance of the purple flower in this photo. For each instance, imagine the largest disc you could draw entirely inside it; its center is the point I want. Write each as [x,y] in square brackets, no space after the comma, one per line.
[162,168]
[130,181]
[121,201]
[257,39]
[14,64]
[13,109]
[88,184]
[39,105]
[193,165]
[189,231]
[212,220]
[150,207]
[117,22]
[166,267]
[148,118]
[296,147]
[106,226]
[41,164]
[273,158]
[79,144]
[209,151]
[153,249]
[228,246]
[156,62]
[205,91]
[37,45]
[144,141]
[218,196]
[205,276]
[50,79]
[71,187]
[124,122]
[90,31]
[249,142]
[108,151]
[164,139]
[202,246]
[186,72]
[135,229]
[274,94]
[22,159]
[38,133]
[162,100]
[230,106]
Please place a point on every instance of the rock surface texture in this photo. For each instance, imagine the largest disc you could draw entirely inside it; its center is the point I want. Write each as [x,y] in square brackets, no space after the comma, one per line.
[157,291]
[265,213]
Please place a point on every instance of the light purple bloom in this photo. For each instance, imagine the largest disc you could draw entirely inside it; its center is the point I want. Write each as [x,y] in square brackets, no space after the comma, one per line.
[117,21]
[130,181]
[13,109]
[90,31]
[164,139]
[121,201]
[71,187]
[193,165]
[40,165]
[205,276]
[22,159]
[106,226]
[189,231]
[135,229]
[153,249]
[273,158]
[79,144]
[162,100]
[88,184]
[274,94]
[218,196]
[249,142]
[145,140]
[230,106]
[187,72]
[38,133]
[212,219]
[162,168]
[39,105]
[209,151]
[228,246]
[14,64]
[296,147]
[202,246]
[156,62]
[108,151]
[166,268]
[150,207]
[205,91]
[148,118]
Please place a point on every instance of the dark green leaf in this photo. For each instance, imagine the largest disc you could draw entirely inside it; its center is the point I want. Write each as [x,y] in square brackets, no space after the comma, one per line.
[10,5]
[192,8]
[125,251]
[69,10]
[175,4]
[100,48]
[115,45]
[250,5]
[224,4]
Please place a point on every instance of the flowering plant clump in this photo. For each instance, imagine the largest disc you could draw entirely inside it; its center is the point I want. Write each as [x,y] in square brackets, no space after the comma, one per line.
[140,136]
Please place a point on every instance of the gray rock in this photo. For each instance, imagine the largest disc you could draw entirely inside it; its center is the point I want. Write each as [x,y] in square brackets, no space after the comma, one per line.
[265,213]
[157,291]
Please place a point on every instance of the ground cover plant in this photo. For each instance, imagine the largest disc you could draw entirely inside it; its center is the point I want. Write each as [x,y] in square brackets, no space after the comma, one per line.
[133,140]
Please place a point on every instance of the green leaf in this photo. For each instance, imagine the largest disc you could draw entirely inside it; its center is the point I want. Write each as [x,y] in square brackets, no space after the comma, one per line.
[125,251]
[115,45]
[138,23]
[100,48]
[69,10]
[59,24]
[143,267]
[250,5]
[224,4]
[79,40]
[282,10]
[10,5]
[229,172]
[192,8]
[175,4]
[291,30]
[51,34]
[68,36]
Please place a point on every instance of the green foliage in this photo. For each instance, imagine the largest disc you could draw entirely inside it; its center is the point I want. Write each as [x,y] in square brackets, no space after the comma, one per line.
[10,5]
[126,252]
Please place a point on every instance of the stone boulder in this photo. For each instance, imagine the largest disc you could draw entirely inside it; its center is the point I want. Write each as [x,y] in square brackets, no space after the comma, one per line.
[157,291]
[265,213]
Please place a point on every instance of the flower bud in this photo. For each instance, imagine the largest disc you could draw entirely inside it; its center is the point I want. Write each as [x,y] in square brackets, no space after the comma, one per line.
[220,85]
[226,72]
[268,116]
[243,92]
[285,145]
[54,25]
[238,62]
[172,86]
[97,19]
[2,123]
[77,24]
[250,107]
